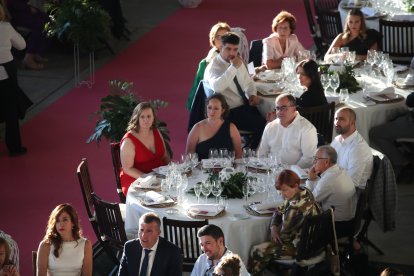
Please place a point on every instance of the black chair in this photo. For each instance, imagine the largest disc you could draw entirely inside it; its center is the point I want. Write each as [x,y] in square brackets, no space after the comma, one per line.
[321,48]
[87,189]
[327,4]
[322,117]
[116,162]
[111,227]
[330,24]
[397,40]
[317,238]
[197,111]
[184,235]
[34,263]
[255,52]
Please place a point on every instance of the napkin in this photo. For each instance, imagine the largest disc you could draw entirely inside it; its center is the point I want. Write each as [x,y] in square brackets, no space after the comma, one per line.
[263,206]
[409,80]
[205,209]
[299,171]
[154,197]
[146,182]
[368,11]
[375,90]
[333,99]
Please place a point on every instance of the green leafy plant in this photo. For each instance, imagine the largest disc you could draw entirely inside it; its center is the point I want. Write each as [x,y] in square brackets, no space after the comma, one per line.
[79,21]
[346,77]
[116,110]
[232,187]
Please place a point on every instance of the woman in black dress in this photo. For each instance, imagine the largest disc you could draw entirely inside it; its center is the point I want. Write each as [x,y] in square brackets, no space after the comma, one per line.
[356,36]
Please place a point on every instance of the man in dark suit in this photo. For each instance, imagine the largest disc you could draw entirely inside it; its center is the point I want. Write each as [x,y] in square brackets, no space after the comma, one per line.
[150,254]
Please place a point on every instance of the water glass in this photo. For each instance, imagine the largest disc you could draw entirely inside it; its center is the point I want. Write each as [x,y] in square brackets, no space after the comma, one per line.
[223,202]
[334,81]
[164,185]
[344,95]
[325,82]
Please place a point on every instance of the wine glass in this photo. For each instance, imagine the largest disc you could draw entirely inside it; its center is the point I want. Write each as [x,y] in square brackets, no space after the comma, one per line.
[325,82]
[206,189]
[343,94]
[334,81]
[216,189]
[371,56]
[197,190]
[246,191]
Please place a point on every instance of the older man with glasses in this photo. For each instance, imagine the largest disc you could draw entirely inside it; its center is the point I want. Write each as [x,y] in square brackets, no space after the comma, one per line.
[333,188]
[291,137]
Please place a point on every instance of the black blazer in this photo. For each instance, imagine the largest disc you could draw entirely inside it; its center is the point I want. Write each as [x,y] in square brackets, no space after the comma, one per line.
[168,259]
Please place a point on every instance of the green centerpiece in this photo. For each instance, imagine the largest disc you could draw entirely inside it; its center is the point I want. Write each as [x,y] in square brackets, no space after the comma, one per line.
[346,77]
[232,186]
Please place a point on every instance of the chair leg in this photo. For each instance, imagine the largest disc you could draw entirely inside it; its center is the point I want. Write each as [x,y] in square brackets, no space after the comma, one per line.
[362,236]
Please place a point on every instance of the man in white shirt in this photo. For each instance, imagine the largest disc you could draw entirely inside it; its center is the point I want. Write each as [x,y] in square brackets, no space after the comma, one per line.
[291,137]
[150,254]
[228,75]
[333,189]
[211,240]
[354,154]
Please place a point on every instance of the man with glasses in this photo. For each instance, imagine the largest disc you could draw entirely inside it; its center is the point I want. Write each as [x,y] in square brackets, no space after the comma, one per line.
[211,240]
[354,154]
[291,137]
[333,188]
[228,75]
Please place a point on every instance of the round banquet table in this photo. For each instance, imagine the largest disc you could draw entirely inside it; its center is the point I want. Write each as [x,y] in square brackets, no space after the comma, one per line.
[240,234]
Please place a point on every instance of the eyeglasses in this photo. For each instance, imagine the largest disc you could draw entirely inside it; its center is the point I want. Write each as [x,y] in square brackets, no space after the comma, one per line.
[215,274]
[282,108]
[217,36]
[315,158]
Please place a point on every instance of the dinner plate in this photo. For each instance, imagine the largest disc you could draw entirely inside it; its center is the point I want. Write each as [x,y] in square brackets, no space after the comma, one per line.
[391,98]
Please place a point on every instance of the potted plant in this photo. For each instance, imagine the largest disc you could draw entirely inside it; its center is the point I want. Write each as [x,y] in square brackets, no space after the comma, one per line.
[116,110]
[82,22]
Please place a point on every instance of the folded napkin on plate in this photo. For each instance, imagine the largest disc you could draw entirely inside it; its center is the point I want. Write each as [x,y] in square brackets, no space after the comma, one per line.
[375,90]
[369,11]
[205,209]
[299,171]
[409,80]
[146,182]
[263,206]
[155,197]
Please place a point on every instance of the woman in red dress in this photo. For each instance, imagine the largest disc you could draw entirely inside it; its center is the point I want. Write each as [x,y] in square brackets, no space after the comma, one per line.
[142,147]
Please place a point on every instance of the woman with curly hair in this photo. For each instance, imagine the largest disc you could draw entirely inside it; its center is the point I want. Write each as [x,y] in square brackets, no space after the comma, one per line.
[356,37]
[282,42]
[7,268]
[63,251]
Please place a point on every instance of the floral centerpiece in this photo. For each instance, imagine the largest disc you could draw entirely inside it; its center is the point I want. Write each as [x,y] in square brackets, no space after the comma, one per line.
[346,77]
[232,186]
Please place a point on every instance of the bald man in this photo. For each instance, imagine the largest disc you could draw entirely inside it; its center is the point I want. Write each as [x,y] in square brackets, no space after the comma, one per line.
[354,154]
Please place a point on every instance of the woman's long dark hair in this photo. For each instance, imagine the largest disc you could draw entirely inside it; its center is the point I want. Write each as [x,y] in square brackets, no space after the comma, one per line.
[311,69]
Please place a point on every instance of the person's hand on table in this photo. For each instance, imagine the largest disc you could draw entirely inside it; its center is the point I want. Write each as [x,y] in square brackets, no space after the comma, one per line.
[261,68]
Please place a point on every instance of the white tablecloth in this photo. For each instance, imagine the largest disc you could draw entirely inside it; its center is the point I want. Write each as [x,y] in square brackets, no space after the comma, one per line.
[240,235]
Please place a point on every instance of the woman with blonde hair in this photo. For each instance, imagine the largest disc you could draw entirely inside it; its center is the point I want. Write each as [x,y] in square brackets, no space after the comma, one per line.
[63,250]
[142,147]
[282,42]
[356,37]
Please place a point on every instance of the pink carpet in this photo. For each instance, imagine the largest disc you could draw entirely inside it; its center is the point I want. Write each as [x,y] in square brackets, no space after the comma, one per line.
[162,65]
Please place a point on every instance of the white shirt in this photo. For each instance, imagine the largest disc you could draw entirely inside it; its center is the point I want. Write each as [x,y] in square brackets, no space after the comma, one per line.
[354,156]
[8,38]
[219,75]
[294,144]
[335,189]
[151,257]
[203,264]
[273,50]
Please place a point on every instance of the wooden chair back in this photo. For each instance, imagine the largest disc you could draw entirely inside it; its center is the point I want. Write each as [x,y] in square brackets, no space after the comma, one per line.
[184,235]
[116,163]
[327,4]
[330,24]
[255,52]
[321,48]
[111,226]
[86,186]
[322,117]
[397,39]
